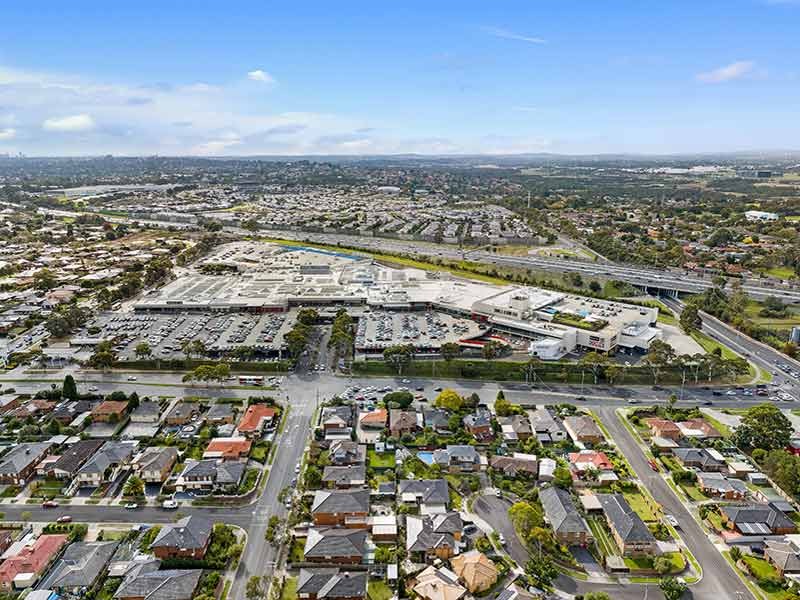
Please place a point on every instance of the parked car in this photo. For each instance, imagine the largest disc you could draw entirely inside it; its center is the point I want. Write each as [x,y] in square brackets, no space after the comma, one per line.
[169,504]
[131,505]
[49,504]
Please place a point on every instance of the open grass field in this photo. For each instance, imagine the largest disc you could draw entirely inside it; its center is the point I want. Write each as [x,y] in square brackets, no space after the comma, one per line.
[792,319]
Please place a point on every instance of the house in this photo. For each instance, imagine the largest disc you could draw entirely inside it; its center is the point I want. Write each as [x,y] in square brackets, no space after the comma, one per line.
[26,566]
[19,463]
[433,536]
[698,428]
[740,469]
[154,465]
[349,508]
[458,458]
[592,466]
[716,485]
[479,425]
[79,568]
[220,413]
[756,519]
[337,421]
[147,583]
[147,412]
[347,452]
[404,422]
[560,512]
[516,428]
[345,477]
[182,413]
[383,527]
[331,584]
[188,538]
[106,463]
[582,428]
[516,465]
[547,469]
[73,458]
[375,419]
[228,448]
[545,426]
[704,459]
[335,545]
[210,475]
[110,411]
[629,531]
[256,419]
[663,428]
[783,555]
[436,419]
[69,411]
[438,584]
[475,570]
[431,495]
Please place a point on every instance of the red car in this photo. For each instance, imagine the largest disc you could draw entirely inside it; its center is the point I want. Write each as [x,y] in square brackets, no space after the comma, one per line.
[49,504]
[64,519]
[653,465]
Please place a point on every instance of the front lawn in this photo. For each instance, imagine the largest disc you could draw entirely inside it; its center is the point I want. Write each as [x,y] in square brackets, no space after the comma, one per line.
[296,552]
[249,481]
[693,492]
[260,451]
[289,591]
[380,460]
[379,590]
[641,506]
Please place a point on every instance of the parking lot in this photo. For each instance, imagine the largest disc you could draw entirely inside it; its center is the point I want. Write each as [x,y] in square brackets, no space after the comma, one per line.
[380,329]
[212,334]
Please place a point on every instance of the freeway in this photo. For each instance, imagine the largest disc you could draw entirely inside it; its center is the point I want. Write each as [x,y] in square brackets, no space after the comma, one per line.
[718,580]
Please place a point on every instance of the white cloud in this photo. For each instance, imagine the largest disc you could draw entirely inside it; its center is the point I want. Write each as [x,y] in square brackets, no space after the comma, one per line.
[735,70]
[82,122]
[262,76]
[7,134]
[510,35]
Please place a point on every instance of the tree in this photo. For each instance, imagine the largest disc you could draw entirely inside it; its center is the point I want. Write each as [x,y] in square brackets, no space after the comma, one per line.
[449,400]
[764,426]
[736,553]
[254,589]
[449,351]
[562,477]
[68,389]
[142,350]
[690,319]
[187,348]
[662,565]
[134,487]
[492,350]
[541,569]
[399,356]
[659,355]
[613,372]
[595,286]
[199,347]
[307,316]
[525,517]
[672,588]
[312,477]
[103,357]
[596,596]
[400,399]
[44,280]
[595,362]
[502,407]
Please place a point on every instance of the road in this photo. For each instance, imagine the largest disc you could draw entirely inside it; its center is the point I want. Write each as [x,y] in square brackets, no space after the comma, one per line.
[719,580]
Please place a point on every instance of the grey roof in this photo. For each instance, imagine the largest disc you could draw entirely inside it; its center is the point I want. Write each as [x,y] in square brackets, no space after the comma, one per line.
[346,474]
[628,525]
[190,532]
[561,511]
[543,421]
[784,555]
[147,408]
[432,531]
[700,456]
[22,456]
[183,410]
[347,451]
[583,425]
[219,411]
[160,585]
[74,456]
[340,501]
[720,483]
[111,454]
[80,565]
[459,454]
[157,458]
[756,518]
[480,418]
[429,491]
[221,472]
[436,418]
[343,412]
[332,583]
[335,542]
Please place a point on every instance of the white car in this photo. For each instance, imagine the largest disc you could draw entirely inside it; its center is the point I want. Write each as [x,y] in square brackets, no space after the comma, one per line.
[169,504]
[131,378]
[94,388]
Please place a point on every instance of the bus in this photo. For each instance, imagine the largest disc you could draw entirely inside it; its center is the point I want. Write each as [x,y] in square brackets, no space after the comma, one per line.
[251,380]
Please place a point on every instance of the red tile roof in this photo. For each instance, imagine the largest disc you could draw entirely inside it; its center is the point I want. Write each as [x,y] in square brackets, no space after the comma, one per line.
[255,415]
[33,558]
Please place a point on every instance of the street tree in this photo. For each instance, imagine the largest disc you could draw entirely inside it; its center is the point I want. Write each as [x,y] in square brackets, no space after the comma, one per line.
[449,351]
[399,356]
[765,427]
[690,319]
[68,389]
[142,350]
[672,588]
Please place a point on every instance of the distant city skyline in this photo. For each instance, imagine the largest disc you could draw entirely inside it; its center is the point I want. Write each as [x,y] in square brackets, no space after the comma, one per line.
[250,78]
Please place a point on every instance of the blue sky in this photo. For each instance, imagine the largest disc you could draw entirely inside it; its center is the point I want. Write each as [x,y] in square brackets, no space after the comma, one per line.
[237,78]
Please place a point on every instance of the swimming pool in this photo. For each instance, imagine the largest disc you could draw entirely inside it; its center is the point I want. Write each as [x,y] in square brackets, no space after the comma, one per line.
[426,457]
